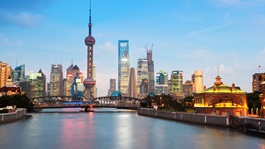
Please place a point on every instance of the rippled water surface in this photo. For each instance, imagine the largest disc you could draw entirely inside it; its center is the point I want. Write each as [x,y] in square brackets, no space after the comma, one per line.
[116,129]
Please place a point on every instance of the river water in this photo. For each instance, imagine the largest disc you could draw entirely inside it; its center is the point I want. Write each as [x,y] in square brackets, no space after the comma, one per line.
[116,129]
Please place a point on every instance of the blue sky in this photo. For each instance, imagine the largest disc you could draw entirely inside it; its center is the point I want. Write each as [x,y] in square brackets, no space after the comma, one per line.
[187,35]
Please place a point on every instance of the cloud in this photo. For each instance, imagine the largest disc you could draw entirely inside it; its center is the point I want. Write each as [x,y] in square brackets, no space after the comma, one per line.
[239,3]
[5,41]
[24,19]
[107,47]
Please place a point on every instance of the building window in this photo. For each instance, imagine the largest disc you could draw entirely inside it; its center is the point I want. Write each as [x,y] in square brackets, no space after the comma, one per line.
[211,100]
[241,100]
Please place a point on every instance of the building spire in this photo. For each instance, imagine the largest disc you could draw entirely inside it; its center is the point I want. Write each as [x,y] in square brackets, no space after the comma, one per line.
[90,23]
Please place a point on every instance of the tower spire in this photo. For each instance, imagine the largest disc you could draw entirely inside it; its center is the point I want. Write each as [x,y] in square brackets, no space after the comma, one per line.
[90,23]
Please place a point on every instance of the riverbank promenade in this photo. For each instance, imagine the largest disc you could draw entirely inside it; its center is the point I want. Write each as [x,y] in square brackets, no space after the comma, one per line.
[13,116]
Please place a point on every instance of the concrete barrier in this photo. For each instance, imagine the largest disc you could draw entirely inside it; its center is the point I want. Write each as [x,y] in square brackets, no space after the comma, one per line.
[9,117]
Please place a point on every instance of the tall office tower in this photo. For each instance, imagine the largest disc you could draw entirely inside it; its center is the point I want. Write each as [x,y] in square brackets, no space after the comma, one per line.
[37,84]
[161,83]
[5,73]
[176,82]
[150,64]
[72,72]
[124,73]
[112,87]
[19,74]
[162,78]
[144,86]
[188,88]
[56,80]
[132,92]
[123,49]
[197,79]
[257,82]
[90,41]
[142,72]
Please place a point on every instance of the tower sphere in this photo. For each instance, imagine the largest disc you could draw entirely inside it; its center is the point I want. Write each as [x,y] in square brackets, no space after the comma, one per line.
[90,41]
[89,83]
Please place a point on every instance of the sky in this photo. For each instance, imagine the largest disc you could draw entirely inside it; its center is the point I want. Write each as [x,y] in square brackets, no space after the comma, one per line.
[187,35]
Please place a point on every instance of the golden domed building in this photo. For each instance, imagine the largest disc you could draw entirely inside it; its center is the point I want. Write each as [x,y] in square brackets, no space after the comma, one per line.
[221,99]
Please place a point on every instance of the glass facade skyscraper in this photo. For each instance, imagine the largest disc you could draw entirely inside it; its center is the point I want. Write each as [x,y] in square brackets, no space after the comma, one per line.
[176,82]
[142,72]
[124,73]
[123,54]
[56,80]
[19,74]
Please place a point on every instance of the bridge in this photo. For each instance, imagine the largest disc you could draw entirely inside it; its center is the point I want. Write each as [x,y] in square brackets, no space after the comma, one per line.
[120,102]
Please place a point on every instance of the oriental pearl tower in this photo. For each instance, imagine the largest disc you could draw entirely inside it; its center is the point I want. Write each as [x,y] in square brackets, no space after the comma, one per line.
[89,82]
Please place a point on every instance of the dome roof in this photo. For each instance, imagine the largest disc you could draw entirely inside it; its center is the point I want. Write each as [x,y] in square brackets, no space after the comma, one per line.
[116,93]
[89,82]
[90,41]
[223,88]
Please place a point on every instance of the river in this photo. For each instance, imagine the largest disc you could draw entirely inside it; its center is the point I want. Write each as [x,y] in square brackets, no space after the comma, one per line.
[116,129]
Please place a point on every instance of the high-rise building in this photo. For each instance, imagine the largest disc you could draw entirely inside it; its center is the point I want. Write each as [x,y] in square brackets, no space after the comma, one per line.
[197,79]
[123,50]
[56,80]
[150,64]
[144,86]
[257,82]
[142,72]
[112,87]
[176,82]
[72,72]
[162,78]
[188,88]
[132,91]
[90,41]
[161,83]
[19,74]
[124,73]
[5,74]
[35,86]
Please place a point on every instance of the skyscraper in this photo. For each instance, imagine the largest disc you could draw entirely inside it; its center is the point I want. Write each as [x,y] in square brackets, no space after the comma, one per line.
[132,91]
[257,82]
[150,64]
[123,50]
[19,74]
[72,73]
[124,73]
[142,72]
[90,41]
[5,73]
[197,79]
[176,82]
[56,80]
[112,87]
[36,86]
[161,83]
[188,88]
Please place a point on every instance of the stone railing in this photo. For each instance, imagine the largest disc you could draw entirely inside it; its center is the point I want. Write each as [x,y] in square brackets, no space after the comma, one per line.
[9,117]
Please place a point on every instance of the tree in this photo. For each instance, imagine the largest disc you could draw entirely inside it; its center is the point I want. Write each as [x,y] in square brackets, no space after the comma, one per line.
[253,101]
[21,101]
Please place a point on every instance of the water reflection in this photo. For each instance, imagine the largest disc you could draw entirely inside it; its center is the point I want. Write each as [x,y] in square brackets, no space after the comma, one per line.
[116,129]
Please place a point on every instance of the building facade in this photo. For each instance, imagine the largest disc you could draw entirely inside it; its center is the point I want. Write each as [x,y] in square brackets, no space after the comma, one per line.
[197,79]
[5,74]
[188,88]
[151,69]
[56,80]
[221,99]
[72,72]
[123,50]
[18,74]
[257,82]
[124,73]
[132,89]
[112,87]
[142,72]
[176,82]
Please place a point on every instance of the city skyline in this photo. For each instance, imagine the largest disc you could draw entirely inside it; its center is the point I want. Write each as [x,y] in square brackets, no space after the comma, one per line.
[187,35]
